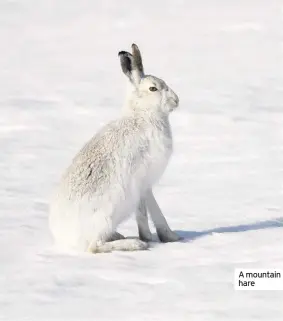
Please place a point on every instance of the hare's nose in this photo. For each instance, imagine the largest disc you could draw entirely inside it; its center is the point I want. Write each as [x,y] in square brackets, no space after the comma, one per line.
[174,96]
[177,99]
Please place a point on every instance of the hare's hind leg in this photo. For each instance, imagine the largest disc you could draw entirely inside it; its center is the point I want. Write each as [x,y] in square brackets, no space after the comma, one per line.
[142,221]
[106,239]
[119,245]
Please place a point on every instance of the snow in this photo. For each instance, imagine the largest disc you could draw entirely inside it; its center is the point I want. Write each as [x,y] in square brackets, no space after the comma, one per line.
[61,81]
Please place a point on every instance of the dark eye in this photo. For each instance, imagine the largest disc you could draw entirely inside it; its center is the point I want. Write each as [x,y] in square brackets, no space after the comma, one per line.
[152,88]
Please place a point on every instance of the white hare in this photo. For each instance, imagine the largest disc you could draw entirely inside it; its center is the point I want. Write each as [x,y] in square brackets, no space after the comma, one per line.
[112,176]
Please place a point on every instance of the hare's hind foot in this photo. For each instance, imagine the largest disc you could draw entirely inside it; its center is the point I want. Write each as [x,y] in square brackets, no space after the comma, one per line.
[119,245]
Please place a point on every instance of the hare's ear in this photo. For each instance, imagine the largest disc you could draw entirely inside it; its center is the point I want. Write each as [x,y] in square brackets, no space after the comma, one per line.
[137,59]
[129,67]
[126,60]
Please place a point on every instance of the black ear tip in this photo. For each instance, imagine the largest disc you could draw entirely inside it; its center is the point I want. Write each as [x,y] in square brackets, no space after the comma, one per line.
[134,46]
[120,53]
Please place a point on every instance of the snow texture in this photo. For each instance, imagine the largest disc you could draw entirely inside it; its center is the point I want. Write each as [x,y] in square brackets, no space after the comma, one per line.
[61,81]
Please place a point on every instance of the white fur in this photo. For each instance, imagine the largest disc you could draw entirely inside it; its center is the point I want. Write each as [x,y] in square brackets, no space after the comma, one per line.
[114,173]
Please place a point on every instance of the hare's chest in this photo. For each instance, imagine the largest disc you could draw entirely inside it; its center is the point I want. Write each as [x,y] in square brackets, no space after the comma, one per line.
[160,151]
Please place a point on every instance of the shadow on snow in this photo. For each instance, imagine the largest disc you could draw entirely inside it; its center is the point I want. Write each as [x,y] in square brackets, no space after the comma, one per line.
[191,235]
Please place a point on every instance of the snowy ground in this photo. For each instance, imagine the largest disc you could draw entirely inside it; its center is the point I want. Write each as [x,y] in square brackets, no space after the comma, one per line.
[61,80]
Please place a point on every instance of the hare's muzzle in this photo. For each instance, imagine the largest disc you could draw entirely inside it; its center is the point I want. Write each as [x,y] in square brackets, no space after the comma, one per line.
[173,99]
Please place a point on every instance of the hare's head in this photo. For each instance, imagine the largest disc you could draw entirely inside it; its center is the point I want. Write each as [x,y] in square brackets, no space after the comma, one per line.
[146,92]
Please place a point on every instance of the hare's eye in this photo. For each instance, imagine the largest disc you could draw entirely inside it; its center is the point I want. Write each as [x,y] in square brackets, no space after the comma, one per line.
[152,88]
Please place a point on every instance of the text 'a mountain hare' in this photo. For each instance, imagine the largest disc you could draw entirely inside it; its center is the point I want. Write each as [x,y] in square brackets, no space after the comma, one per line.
[112,176]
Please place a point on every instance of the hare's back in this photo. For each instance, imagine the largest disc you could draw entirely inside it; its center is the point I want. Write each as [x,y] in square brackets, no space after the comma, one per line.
[107,159]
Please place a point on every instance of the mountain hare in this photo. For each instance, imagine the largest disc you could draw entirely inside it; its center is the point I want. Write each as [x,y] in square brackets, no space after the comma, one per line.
[112,176]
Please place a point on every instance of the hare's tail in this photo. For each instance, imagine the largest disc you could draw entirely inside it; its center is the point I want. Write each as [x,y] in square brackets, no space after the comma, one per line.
[119,245]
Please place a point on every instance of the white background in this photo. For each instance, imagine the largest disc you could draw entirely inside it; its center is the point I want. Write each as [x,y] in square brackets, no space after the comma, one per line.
[60,81]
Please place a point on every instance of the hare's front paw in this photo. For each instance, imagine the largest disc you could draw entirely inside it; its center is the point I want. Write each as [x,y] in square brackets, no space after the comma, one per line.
[115,236]
[168,236]
[145,236]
